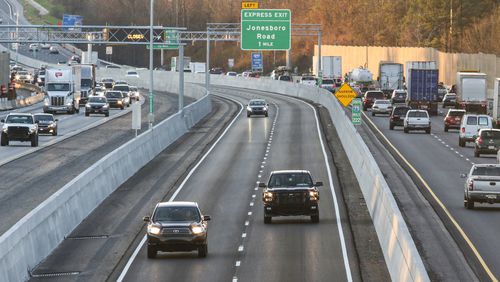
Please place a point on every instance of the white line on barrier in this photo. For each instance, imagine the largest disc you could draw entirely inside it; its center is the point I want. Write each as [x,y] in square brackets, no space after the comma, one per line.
[136,251]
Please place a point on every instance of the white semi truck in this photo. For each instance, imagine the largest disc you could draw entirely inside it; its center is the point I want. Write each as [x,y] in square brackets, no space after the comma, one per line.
[60,92]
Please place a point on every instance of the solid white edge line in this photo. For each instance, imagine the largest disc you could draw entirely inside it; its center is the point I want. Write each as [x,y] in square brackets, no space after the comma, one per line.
[335,201]
[136,251]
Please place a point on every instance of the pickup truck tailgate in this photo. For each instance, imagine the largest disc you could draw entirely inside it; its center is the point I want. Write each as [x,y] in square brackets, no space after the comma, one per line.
[489,184]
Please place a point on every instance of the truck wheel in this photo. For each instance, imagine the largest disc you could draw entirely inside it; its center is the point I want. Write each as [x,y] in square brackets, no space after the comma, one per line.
[121,108]
[315,218]
[461,142]
[54,133]
[428,131]
[267,219]
[248,115]
[203,251]
[406,130]
[468,204]
[77,110]
[34,140]
[373,114]
[106,114]
[391,126]
[445,128]
[5,140]
[152,252]
[476,153]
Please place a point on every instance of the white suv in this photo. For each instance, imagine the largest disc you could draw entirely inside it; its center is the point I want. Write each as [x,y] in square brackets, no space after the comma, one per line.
[417,120]
[470,125]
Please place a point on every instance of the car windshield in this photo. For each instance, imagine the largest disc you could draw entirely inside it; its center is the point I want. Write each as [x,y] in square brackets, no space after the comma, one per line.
[121,87]
[328,81]
[108,80]
[19,119]
[456,113]
[177,214]
[376,95]
[308,78]
[285,78]
[58,87]
[418,114]
[131,72]
[86,82]
[401,111]
[400,94]
[22,72]
[382,102]
[486,171]
[490,134]
[257,103]
[290,180]
[451,96]
[133,88]
[114,94]
[483,121]
[97,100]
[44,117]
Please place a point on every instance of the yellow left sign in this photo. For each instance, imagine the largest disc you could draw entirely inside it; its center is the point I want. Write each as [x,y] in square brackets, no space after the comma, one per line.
[345,94]
[249,5]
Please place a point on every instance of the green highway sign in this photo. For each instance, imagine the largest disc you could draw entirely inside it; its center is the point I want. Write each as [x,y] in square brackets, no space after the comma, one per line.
[266,29]
[171,41]
[356,111]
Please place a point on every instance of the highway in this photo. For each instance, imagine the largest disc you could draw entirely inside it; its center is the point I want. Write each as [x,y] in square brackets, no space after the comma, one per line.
[241,247]
[440,161]
[58,161]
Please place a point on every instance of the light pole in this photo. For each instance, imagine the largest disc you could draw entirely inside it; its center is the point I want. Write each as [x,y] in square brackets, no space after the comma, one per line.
[17,37]
[151,114]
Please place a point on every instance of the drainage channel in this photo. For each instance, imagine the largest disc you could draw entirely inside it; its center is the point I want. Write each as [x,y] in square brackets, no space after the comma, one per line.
[88,237]
[54,274]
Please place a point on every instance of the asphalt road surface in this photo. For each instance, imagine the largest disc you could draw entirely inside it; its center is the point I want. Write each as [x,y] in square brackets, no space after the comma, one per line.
[440,161]
[241,247]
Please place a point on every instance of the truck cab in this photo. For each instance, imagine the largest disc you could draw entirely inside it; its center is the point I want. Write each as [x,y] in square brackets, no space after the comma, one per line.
[60,94]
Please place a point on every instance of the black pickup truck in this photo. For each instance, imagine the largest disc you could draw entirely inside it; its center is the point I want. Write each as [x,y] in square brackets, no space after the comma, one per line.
[289,193]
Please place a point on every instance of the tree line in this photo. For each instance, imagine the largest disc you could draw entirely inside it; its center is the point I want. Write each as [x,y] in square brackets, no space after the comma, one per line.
[469,26]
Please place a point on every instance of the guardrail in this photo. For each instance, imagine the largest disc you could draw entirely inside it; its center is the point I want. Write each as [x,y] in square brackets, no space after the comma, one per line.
[402,258]
[33,237]
[24,102]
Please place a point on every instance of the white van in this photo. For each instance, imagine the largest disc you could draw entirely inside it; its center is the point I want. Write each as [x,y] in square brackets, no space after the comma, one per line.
[470,126]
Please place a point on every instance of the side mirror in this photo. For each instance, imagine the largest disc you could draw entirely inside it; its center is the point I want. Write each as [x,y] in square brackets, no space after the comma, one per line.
[318,184]
[262,185]
[463,175]
[56,120]
[207,218]
[146,218]
[37,122]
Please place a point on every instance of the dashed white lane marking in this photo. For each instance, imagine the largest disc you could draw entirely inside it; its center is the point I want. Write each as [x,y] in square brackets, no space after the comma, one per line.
[235,279]
[247,223]
[467,159]
[240,248]
[253,196]
[188,176]
[250,213]
[238,263]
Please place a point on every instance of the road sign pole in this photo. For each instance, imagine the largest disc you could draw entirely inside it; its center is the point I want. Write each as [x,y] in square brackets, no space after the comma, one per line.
[207,65]
[319,53]
[181,78]
[151,114]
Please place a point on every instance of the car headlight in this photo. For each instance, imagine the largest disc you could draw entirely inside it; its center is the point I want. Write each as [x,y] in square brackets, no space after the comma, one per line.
[197,229]
[5,129]
[268,196]
[52,125]
[32,129]
[249,109]
[17,77]
[119,101]
[313,195]
[105,106]
[154,229]
[87,106]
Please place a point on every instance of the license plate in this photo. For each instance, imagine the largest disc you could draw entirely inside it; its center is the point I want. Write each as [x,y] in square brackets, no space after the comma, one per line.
[492,197]
[491,147]
[424,107]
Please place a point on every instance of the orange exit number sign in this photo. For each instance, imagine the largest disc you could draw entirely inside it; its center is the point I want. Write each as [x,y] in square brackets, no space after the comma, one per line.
[249,5]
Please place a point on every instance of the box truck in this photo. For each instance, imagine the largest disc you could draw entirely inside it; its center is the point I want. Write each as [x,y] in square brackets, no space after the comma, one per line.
[471,88]
[331,66]
[422,79]
[390,77]
[175,64]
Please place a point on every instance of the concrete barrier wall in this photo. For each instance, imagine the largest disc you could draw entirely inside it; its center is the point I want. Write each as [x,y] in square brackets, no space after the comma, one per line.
[401,255]
[449,63]
[24,102]
[31,239]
